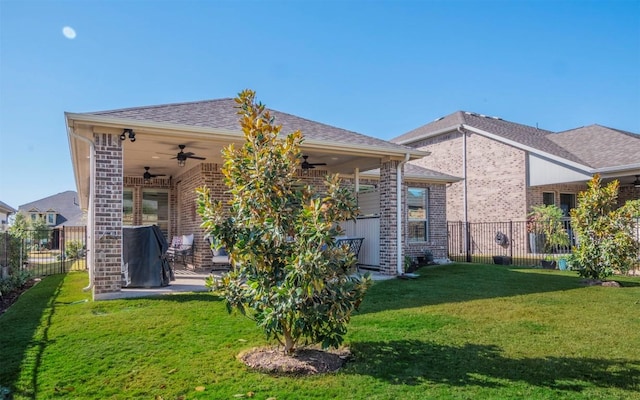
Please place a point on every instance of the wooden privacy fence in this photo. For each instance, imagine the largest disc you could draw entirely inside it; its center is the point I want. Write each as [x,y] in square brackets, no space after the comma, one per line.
[512,242]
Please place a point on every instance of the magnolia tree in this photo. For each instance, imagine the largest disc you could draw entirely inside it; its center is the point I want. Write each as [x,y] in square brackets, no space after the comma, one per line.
[288,273]
[606,240]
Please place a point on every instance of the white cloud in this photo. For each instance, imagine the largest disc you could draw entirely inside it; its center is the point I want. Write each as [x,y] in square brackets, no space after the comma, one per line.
[69,32]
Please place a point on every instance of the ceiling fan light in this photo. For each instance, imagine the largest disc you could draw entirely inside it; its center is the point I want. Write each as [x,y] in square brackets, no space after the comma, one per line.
[181,162]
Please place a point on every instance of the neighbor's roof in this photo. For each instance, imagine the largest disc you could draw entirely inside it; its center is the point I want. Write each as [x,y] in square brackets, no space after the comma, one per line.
[415,172]
[600,146]
[222,114]
[65,204]
[526,135]
[7,208]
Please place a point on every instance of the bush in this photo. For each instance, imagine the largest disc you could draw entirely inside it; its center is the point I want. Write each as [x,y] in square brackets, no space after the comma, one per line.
[288,274]
[16,280]
[73,250]
[605,233]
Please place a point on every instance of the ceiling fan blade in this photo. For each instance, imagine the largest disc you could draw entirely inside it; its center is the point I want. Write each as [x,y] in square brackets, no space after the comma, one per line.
[196,157]
[318,163]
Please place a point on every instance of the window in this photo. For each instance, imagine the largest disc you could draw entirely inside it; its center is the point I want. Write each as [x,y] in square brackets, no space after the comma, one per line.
[548,198]
[155,209]
[51,219]
[34,217]
[127,207]
[567,203]
[418,214]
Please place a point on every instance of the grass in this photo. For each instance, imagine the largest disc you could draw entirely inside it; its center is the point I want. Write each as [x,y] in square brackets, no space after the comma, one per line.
[459,331]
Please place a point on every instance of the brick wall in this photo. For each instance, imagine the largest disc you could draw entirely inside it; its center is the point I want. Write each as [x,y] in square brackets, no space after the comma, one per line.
[495,178]
[437,237]
[388,219]
[107,258]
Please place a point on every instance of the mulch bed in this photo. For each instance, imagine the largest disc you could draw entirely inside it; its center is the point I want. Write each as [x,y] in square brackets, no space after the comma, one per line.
[8,299]
[302,362]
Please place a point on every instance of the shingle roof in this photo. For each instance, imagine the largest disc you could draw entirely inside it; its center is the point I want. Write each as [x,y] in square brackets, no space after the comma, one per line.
[418,172]
[222,114]
[6,207]
[523,134]
[65,204]
[600,146]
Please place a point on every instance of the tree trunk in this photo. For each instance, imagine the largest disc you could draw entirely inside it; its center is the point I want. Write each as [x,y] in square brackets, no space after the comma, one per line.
[289,343]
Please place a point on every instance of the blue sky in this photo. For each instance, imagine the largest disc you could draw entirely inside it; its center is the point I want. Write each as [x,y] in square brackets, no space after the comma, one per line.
[380,68]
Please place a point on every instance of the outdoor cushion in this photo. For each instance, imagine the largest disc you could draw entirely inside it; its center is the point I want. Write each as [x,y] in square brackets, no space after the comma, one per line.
[187,240]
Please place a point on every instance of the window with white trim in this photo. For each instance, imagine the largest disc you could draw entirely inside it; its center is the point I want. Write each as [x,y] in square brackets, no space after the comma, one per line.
[417,214]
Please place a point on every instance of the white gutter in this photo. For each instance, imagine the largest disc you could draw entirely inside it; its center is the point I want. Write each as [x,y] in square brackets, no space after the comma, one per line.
[400,252]
[90,211]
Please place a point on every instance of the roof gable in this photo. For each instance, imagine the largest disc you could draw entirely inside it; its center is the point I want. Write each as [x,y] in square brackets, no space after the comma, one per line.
[64,204]
[222,114]
[525,135]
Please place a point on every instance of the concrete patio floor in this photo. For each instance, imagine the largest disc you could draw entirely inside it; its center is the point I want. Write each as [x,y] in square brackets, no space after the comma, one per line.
[186,281]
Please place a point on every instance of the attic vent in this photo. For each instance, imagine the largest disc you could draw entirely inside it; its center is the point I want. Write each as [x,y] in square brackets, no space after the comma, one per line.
[471,113]
[498,118]
[438,119]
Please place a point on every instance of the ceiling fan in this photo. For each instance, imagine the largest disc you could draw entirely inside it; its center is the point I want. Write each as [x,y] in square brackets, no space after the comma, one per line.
[182,156]
[307,165]
[148,175]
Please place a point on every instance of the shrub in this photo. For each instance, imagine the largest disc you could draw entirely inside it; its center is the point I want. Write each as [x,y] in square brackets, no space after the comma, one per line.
[605,234]
[73,249]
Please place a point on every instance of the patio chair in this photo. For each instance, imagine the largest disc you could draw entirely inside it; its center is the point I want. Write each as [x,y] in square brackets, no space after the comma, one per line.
[181,248]
[219,257]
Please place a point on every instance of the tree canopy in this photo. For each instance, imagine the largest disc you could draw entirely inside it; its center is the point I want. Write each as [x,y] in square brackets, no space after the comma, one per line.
[288,273]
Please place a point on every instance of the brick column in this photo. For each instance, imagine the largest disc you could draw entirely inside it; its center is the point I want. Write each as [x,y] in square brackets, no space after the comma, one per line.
[388,218]
[107,266]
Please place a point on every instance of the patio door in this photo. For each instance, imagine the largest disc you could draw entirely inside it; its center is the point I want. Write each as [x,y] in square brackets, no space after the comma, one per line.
[155,209]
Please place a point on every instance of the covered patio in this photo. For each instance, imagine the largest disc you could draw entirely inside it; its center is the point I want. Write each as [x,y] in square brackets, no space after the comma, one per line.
[141,166]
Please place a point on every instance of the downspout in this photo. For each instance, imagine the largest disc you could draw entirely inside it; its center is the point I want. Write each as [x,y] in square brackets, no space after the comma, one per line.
[90,217]
[400,263]
[465,208]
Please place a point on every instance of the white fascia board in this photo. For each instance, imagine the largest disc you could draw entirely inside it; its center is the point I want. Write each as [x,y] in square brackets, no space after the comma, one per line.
[607,172]
[226,134]
[529,149]
[430,134]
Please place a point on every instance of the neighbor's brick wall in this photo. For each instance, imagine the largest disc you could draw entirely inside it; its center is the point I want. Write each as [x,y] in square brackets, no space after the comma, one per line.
[107,275]
[496,176]
[534,197]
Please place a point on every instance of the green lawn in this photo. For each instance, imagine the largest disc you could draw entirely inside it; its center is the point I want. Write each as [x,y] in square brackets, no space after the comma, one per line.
[459,331]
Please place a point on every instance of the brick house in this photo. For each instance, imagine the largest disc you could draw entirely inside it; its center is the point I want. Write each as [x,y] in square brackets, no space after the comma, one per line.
[141,166]
[506,168]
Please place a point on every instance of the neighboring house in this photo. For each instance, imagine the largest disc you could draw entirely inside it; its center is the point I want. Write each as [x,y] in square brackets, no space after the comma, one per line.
[506,168]
[141,166]
[5,211]
[62,209]
[59,211]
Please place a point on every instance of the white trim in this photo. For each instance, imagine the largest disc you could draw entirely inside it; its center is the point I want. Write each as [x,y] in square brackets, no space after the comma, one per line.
[529,149]
[162,128]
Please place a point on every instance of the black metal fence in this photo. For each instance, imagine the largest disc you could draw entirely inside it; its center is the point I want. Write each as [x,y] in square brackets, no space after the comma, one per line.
[513,242]
[44,252]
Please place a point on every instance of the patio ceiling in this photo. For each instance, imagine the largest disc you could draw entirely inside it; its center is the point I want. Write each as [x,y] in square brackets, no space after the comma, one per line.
[156,145]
